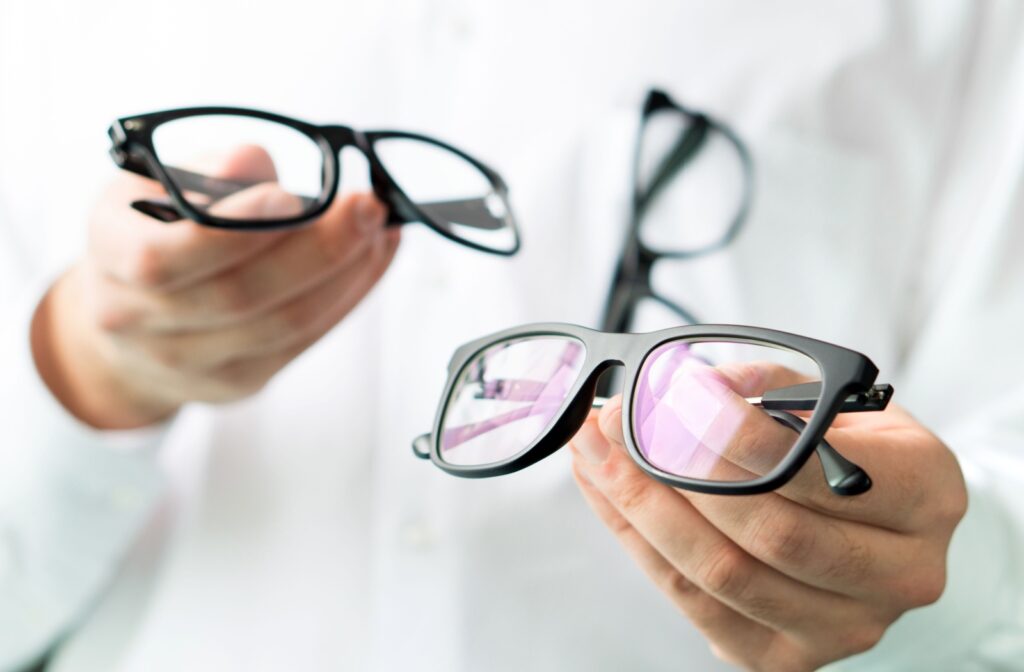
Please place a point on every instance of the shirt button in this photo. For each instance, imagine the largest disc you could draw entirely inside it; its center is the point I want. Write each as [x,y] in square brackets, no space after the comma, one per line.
[417,535]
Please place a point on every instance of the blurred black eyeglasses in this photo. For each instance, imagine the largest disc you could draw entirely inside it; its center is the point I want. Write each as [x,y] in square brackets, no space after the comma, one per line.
[692,190]
[293,166]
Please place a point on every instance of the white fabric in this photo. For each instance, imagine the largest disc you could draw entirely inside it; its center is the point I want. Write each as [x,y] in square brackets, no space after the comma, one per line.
[295,530]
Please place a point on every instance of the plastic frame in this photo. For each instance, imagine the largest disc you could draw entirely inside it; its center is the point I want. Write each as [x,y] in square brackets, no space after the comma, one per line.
[847,385]
[133,149]
[631,280]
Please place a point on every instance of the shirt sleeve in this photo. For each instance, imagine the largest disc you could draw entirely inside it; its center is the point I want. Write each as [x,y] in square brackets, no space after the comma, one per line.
[72,499]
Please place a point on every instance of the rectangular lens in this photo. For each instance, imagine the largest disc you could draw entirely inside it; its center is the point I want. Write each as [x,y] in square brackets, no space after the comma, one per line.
[450,192]
[696,408]
[507,397]
[244,168]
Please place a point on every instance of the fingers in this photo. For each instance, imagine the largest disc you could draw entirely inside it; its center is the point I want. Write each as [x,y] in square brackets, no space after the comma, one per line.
[843,555]
[697,424]
[737,638]
[840,556]
[286,329]
[298,262]
[694,546]
[706,430]
[141,251]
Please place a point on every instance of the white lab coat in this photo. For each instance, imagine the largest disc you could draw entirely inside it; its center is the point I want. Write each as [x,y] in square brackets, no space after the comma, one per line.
[295,530]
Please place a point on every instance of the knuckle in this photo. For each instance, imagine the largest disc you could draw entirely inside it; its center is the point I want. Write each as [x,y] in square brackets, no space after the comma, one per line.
[336,242]
[726,571]
[113,318]
[236,380]
[631,493]
[147,267]
[862,638]
[166,357]
[782,538]
[954,504]
[924,587]
[677,584]
[296,318]
[234,297]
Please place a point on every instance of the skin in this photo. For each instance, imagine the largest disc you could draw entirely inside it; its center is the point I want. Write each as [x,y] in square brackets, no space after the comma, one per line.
[800,577]
[156,315]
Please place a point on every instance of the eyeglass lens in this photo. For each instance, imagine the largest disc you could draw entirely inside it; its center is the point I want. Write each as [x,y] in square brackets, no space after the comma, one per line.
[507,397]
[450,190]
[243,168]
[694,414]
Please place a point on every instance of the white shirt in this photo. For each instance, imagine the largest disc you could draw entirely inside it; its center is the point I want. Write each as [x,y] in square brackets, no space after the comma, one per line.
[295,530]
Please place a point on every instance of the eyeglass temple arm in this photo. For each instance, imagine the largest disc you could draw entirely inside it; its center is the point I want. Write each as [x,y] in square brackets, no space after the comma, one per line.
[802,397]
[471,212]
[844,478]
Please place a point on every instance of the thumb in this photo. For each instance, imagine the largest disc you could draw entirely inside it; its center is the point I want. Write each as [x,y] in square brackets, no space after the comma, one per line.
[266,200]
[609,420]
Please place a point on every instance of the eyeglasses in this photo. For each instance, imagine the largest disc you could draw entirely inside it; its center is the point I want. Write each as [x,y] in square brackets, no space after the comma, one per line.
[700,214]
[711,408]
[296,164]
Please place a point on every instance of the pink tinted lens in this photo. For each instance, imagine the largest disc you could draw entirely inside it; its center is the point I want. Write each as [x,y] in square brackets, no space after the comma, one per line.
[507,397]
[694,408]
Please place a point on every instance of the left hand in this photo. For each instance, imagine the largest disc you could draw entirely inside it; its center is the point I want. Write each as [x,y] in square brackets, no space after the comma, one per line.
[799,577]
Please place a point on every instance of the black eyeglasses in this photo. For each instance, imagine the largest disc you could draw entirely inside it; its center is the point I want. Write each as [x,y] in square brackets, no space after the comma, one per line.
[708,204]
[712,408]
[295,168]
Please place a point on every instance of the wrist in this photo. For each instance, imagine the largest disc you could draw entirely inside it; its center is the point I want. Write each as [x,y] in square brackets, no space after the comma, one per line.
[69,358]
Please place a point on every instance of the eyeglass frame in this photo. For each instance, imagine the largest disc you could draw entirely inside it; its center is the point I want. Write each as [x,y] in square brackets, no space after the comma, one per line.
[847,385]
[631,280]
[132,149]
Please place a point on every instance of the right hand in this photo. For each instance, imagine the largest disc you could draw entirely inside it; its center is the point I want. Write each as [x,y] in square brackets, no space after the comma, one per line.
[158,314]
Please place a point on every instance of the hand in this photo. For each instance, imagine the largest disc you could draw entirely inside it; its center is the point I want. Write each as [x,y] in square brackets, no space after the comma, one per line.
[158,314]
[800,577]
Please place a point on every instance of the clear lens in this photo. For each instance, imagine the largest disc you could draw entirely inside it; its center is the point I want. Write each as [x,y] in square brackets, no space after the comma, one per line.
[450,190]
[698,204]
[241,168]
[694,411]
[507,397]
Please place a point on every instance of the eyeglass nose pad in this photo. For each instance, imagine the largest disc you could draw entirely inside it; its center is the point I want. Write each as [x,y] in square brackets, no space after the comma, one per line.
[844,478]
[421,446]
[158,208]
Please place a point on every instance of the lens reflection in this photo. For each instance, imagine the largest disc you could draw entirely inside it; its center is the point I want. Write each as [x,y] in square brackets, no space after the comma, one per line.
[507,397]
[694,410]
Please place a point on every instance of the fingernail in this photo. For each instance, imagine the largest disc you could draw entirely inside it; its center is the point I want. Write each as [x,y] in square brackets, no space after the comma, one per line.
[591,445]
[369,214]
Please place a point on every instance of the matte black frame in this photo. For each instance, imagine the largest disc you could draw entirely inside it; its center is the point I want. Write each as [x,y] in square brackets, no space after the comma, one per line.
[844,373]
[133,150]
